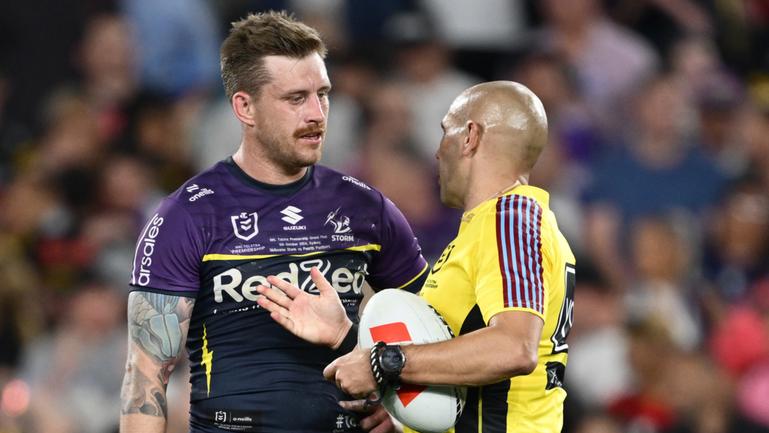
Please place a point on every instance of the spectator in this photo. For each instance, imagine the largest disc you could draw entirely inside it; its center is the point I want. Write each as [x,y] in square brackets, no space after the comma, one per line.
[423,64]
[179,44]
[71,372]
[754,127]
[609,61]
[660,287]
[389,148]
[598,342]
[657,173]
[737,252]
[107,61]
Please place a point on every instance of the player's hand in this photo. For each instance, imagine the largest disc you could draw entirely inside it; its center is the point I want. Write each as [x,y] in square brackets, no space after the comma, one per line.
[352,373]
[377,420]
[318,319]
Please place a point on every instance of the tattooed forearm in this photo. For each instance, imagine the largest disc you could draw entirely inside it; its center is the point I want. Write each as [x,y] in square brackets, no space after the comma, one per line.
[155,322]
[142,395]
[157,328]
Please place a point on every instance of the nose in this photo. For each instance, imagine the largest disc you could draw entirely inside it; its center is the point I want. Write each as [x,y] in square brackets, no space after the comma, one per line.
[315,112]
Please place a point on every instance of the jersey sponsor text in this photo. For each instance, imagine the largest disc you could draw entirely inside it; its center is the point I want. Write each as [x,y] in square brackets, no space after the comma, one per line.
[147,248]
[232,283]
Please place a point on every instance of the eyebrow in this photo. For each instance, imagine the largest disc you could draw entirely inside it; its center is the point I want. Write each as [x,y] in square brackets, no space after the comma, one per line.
[288,93]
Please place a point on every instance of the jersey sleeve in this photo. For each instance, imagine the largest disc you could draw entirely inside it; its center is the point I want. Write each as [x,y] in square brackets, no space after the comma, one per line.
[168,253]
[399,264]
[509,272]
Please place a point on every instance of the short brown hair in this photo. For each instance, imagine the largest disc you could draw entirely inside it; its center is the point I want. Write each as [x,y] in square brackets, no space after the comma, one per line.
[259,35]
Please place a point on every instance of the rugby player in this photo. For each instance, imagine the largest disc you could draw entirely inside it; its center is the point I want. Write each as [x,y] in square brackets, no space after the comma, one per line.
[267,210]
[505,284]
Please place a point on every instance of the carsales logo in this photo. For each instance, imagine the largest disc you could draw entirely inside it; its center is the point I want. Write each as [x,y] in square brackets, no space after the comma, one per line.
[147,247]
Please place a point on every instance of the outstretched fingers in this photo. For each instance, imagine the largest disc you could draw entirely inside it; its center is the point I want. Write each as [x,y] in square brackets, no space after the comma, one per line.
[278,313]
[324,287]
[274,296]
[288,289]
[282,319]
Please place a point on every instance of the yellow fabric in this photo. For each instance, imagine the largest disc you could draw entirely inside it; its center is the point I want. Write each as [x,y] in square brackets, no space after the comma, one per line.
[212,257]
[470,271]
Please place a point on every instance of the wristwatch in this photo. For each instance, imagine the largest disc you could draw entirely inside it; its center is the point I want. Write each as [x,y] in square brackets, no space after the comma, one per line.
[390,360]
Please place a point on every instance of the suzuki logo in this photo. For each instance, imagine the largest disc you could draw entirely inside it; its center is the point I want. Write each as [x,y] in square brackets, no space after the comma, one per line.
[291,215]
[245,225]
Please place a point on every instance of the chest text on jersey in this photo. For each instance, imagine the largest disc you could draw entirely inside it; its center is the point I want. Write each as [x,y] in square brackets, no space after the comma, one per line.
[342,279]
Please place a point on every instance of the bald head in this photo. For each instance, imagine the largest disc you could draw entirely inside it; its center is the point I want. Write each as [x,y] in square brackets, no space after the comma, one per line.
[511,117]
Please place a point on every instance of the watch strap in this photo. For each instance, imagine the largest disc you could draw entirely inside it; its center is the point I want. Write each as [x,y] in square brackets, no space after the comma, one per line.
[382,376]
[376,367]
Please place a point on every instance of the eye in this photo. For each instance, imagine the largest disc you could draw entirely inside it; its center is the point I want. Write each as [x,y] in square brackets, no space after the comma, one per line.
[296,99]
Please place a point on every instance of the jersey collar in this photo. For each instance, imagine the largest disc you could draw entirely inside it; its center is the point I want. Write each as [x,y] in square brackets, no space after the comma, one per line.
[540,195]
[286,189]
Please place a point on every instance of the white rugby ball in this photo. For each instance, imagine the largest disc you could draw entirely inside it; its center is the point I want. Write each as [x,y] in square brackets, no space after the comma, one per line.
[399,317]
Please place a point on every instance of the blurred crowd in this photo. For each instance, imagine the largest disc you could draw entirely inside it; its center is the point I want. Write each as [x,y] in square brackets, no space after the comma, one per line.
[658,170]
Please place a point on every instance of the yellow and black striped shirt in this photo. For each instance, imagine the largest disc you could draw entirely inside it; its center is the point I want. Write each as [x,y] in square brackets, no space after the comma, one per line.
[510,255]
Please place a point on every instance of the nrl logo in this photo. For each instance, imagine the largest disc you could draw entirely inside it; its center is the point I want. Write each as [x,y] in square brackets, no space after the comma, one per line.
[245,225]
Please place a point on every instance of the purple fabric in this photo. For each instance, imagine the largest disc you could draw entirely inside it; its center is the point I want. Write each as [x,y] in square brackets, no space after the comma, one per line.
[219,212]
[168,250]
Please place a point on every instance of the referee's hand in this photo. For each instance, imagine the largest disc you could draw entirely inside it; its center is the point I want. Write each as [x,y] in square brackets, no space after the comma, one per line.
[352,373]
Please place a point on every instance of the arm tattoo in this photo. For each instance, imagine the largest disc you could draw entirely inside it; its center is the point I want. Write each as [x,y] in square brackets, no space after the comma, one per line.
[157,325]
[142,395]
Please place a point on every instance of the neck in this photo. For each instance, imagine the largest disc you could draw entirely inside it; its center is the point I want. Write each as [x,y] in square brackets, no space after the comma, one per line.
[258,166]
[491,189]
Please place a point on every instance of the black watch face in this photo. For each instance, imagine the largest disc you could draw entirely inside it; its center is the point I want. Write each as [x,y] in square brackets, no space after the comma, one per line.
[392,359]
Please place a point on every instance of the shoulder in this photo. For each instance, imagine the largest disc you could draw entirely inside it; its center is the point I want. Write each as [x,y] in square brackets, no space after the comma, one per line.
[199,191]
[348,185]
[508,208]
[511,216]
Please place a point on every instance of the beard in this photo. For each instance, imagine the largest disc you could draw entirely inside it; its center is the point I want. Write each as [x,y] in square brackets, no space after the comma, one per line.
[285,152]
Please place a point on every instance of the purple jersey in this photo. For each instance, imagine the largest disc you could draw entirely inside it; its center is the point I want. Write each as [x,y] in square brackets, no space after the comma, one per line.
[219,236]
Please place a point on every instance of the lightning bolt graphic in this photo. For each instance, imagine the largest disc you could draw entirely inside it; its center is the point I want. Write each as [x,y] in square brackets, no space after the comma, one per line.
[207,359]
[331,215]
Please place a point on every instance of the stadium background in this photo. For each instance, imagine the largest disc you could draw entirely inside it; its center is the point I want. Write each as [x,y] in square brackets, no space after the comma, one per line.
[658,168]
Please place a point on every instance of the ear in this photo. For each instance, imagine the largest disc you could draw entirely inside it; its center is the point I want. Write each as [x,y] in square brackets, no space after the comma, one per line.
[244,108]
[472,139]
